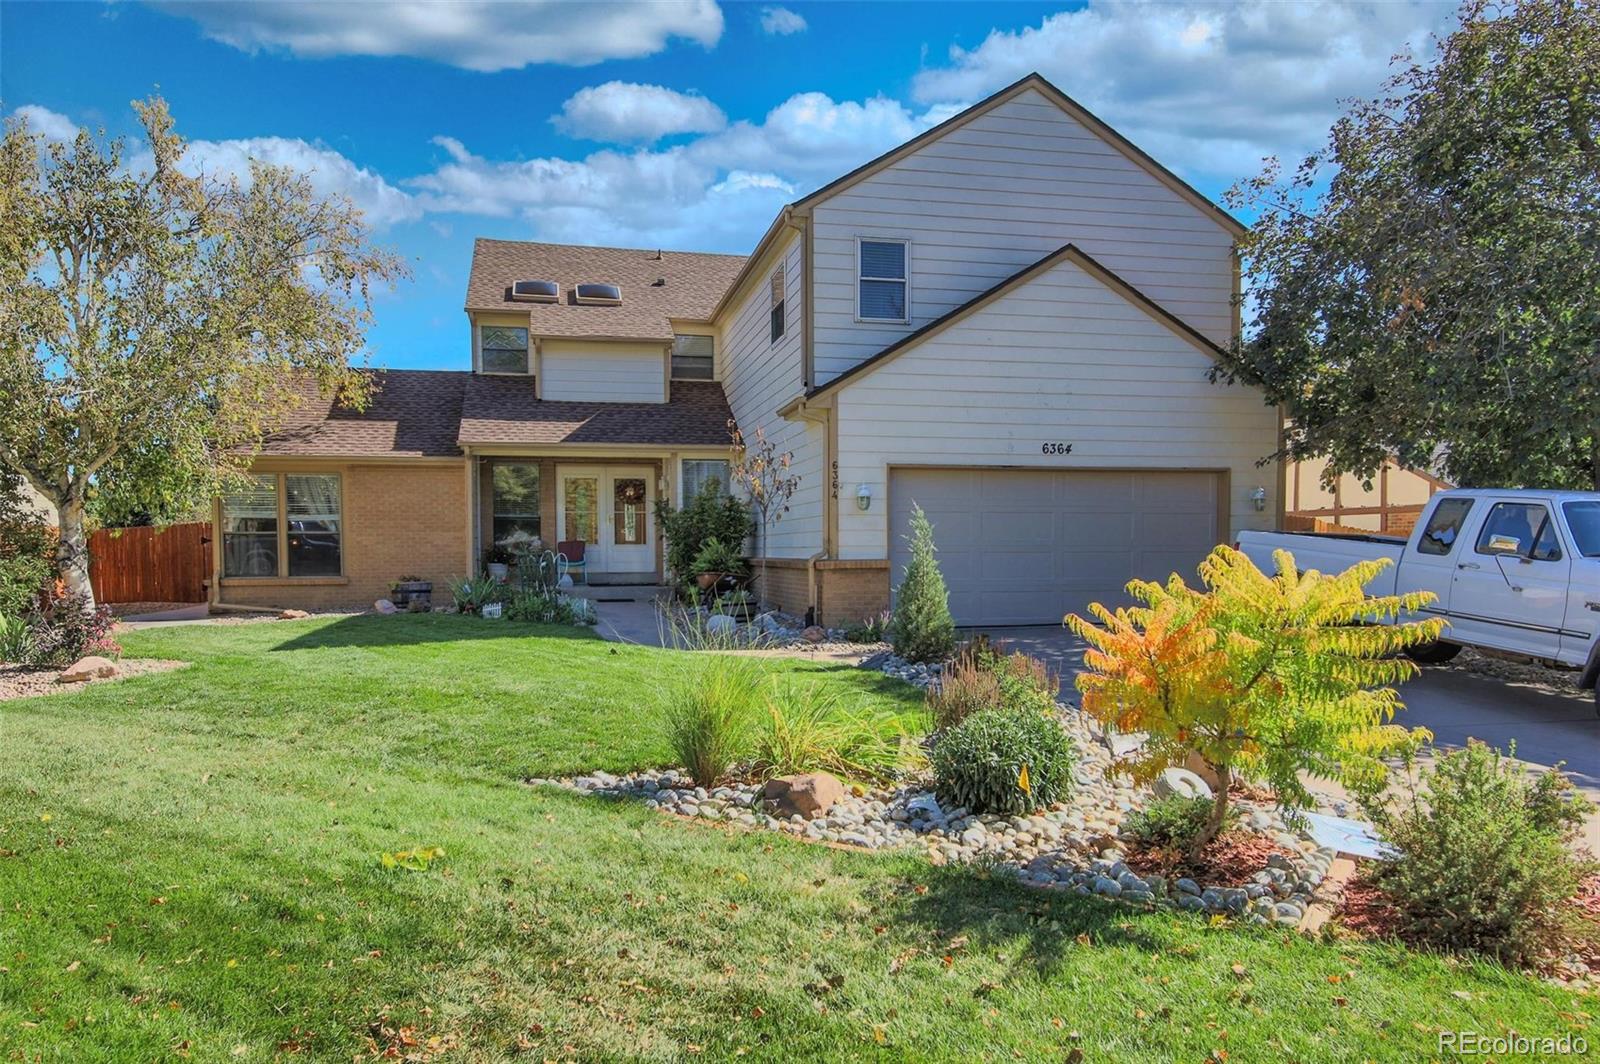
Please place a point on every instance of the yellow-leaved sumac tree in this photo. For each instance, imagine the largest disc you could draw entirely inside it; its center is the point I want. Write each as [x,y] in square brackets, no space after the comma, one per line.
[1263,677]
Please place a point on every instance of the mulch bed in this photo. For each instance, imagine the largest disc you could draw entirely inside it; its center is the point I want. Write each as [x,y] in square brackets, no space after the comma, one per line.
[26,681]
[1231,859]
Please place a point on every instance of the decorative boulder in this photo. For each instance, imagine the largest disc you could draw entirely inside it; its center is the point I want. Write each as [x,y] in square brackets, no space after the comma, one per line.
[814,634]
[1197,764]
[385,606]
[90,668]
[810,794]
[720,624]
[1180,783]
[293,615]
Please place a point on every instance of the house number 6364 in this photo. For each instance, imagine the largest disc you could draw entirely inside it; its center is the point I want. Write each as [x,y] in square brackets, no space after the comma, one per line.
[1056,447]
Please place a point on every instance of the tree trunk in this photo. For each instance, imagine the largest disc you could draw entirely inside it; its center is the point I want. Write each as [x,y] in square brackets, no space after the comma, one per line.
[72,550]
[1219,813]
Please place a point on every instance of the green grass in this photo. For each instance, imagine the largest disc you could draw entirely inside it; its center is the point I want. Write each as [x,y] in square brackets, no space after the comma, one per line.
[189,864]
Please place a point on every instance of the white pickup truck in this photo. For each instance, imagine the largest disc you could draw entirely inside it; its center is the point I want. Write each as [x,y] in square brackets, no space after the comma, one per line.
[1516,572]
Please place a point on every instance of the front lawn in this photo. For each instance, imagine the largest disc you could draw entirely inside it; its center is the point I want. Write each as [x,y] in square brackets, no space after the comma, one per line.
[190,866]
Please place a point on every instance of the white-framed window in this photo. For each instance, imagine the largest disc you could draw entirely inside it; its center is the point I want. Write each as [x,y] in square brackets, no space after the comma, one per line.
[694,358]
[697,472]
[503,349]
[514,489]
[284,524]
[883,288]
[775,297]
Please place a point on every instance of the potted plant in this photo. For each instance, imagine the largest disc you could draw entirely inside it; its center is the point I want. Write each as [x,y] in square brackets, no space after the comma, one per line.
[411,589]
[497,562]
[717,562]
[738,604]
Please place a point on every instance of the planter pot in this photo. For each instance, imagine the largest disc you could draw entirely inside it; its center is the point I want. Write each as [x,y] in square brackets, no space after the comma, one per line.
[406,592]
[498,571]
[707,581]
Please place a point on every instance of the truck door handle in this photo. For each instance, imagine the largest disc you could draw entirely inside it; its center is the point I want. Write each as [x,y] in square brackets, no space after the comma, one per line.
[1469,565]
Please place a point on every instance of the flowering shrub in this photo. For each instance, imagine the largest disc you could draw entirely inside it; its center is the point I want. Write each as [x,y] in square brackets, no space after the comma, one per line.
[65,630]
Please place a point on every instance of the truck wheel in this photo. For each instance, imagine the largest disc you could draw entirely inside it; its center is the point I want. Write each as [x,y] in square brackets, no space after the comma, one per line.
[1436,653]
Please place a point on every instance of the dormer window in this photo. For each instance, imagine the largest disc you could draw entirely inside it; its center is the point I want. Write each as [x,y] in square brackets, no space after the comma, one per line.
[535,291]
[503,349]
[605,295]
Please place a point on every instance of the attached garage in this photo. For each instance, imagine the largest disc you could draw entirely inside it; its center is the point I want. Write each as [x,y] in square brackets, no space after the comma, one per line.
[1026,546]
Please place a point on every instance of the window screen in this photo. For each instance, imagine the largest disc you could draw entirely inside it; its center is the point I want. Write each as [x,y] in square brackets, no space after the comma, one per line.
[312,506]
[697,472]
[504,349]
[694,358]
[883,280]
[516,500]
[1443,527]
[250,529]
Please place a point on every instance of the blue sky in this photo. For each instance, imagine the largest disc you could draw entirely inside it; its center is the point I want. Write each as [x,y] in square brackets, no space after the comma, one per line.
[662,124]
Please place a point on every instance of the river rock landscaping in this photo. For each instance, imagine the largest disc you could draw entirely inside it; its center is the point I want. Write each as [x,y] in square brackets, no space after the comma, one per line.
[1075,846]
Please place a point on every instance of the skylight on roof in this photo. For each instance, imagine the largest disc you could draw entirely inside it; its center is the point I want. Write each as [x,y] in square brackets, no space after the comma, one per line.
[535,291]
[601,294]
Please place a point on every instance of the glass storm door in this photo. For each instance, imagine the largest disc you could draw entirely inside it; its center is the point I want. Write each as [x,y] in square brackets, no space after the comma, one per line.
[578,516]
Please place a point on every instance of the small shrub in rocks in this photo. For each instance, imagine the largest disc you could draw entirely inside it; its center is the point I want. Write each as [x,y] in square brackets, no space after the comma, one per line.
[66,629]
[983,675]
[1485,861]
[965,688]
[709,719]
[1003,761]
[1170,823]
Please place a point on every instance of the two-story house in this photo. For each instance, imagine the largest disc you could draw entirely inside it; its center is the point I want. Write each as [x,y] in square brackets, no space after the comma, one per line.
[1007,321]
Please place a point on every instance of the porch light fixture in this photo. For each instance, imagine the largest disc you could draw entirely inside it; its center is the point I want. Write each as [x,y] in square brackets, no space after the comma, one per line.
[1259,497]
[863,497]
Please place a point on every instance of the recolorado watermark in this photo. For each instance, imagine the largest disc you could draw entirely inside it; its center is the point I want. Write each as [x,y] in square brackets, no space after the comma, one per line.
[1473,1044]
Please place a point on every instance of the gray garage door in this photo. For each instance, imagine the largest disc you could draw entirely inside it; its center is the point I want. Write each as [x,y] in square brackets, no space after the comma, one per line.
[1026,547]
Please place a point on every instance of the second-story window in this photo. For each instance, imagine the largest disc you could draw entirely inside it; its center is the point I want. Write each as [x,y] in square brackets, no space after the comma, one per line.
[777,286]
[503,349]
[882,288]
[694,358]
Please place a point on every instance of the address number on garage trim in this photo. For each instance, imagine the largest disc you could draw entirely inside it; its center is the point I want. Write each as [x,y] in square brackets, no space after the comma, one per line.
[1055,447]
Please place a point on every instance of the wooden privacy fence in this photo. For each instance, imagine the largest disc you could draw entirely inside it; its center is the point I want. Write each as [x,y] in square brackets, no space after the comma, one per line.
[168,564]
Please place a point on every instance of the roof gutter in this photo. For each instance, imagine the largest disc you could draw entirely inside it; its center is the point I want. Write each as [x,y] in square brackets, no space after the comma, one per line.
[784,220]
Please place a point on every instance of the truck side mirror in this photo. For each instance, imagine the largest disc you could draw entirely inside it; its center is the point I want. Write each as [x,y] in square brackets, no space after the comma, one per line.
[1501,544]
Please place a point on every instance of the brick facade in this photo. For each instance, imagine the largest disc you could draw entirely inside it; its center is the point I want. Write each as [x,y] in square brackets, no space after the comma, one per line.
[846,591]
[849,591]
[398,520]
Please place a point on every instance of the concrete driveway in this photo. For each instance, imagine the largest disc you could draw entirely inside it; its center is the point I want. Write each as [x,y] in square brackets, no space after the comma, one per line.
[1548,725]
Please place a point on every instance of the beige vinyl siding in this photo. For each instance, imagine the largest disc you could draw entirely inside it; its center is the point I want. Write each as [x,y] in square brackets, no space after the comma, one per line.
[1063,359]
[760,376]
[593,371]
[1001,192]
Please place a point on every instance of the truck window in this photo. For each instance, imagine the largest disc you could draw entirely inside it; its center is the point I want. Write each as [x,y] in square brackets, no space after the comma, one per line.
[1444,526]
[1583,518]
[1526,522]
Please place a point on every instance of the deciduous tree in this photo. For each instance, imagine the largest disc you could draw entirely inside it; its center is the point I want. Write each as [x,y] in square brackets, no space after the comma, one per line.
[1428,284]
[157,321]
[1262,676]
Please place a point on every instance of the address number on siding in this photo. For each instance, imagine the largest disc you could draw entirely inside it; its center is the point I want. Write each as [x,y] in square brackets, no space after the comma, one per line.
[1056,447]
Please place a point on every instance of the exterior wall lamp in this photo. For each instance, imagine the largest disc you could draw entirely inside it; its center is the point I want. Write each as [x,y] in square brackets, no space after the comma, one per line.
[1259,498]
[863,497]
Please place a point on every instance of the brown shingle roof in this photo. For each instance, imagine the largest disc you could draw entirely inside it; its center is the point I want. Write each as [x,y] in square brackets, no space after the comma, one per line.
[413,414]
[503,410]
[694,282]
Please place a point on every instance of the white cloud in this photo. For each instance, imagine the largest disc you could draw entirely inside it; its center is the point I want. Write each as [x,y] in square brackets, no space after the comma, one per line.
[483,36]
[780,22]
[52,125]
[622,112]
[716,192]
[330,172]
[1206,87]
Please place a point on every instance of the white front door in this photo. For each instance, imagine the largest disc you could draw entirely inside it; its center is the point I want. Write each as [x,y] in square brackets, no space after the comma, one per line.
[608,508]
